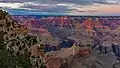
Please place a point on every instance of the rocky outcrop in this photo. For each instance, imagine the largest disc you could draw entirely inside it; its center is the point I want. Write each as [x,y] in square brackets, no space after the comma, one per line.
[100,35]
[110,49]
[17,42]
[54,63]
[93,61]
[116,50]
[105,49]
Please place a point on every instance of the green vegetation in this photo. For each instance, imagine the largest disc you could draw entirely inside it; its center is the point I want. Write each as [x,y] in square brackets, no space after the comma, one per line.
[7,60]
[14,46]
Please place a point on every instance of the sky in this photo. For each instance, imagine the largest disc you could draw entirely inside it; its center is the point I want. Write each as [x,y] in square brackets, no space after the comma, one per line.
[62,7]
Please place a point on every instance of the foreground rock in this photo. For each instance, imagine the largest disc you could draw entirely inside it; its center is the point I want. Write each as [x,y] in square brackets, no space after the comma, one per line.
[18,44]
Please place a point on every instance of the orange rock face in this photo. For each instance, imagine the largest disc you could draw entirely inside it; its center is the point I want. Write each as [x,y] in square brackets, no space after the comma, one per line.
[35,51]
[88,24]
[83,52]
[54,63]
[44,31]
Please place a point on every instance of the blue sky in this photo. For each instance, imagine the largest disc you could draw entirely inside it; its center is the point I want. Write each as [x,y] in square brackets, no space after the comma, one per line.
[61,7]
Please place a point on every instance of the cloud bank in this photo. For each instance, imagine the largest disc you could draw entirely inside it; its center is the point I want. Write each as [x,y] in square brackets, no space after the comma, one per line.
[70,7]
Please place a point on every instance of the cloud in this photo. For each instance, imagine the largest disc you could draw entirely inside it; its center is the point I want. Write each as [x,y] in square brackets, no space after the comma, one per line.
[57,6]
[11,5]
[90,2]
[32,7]
[31,12]
[107,1]
[13,1]
[56,9]
[80,2]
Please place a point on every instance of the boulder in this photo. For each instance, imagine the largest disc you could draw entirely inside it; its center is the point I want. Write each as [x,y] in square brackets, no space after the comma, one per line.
[54,63]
